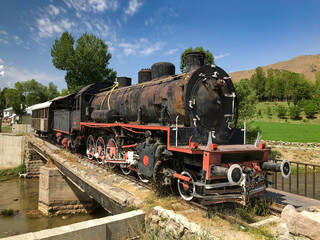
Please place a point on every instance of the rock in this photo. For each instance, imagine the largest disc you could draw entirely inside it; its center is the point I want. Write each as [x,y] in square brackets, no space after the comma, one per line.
[155,219]
[286,237]
[171,229]
[283,229]
[288,211]
[15,199]
[64,217]
[314,209]
[306,223]
[134,202]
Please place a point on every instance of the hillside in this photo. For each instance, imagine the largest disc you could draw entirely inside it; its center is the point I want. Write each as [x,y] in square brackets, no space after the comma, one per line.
[306,64]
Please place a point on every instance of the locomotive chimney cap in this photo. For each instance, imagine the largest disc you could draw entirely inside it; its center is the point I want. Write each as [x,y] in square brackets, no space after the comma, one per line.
[194,60]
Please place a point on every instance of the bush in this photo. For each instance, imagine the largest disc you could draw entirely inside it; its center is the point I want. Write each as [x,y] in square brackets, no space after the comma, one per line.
[269,111]
[294,112]
[281,111]
[310,109]
[259,112]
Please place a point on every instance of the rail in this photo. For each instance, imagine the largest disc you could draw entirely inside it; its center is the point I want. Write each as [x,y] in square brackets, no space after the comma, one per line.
[302,180]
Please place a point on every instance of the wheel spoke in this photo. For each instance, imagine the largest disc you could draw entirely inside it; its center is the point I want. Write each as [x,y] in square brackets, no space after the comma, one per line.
[101,149]
[187,189]
[90,147]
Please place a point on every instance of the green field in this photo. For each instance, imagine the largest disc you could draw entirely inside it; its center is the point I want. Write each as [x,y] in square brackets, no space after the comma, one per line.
[289,132]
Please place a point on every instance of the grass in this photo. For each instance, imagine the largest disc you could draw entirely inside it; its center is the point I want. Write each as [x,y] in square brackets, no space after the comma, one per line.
[258,233]
[6,212]
[12,173]
[6,129]
[289,132]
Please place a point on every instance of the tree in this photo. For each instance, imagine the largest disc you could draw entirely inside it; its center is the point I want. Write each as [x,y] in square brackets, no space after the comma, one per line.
[310,109]
[269,87]
[85,64]
[294,112]
[281,111]
[209,59]
[52,91]
[258,82]
[64,92]
[317,84]
[16,100]
[35,92]
[247,99]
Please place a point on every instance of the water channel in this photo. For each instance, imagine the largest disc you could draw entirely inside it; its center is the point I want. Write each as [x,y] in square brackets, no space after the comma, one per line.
[22,195]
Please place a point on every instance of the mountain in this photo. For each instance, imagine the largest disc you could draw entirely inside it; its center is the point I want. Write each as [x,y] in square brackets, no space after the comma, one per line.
[306,64]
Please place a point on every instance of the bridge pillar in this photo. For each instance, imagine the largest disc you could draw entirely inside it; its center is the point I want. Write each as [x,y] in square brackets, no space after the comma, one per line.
[58,195]
[33,161]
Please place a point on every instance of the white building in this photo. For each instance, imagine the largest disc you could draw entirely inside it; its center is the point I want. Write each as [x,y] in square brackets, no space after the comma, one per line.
[7,112]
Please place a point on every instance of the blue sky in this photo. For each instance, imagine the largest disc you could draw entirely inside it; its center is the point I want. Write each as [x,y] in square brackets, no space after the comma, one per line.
[241,34]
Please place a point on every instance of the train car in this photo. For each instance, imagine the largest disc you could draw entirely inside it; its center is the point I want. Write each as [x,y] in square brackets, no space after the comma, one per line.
[42,118]
[176,130]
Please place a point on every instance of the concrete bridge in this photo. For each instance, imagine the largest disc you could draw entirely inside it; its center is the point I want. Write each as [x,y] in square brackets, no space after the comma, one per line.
[69,184]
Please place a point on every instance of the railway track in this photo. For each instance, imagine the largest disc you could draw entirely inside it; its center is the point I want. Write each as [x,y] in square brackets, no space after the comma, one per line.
[275,208]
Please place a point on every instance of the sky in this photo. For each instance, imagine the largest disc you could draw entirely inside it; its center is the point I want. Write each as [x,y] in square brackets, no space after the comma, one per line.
[241,34]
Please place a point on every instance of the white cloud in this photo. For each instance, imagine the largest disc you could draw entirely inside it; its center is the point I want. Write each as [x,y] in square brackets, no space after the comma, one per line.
[52,10]
[47,28]
[171,51]
[133,7]
[3,32]
[151,49]
[221,56]
[1,68]
[142,47]
[17,40]
[3,41]
[14,74]
[149,21]
[92,5]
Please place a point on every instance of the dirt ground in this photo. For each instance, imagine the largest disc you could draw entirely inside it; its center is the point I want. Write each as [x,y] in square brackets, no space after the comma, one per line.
[298,154]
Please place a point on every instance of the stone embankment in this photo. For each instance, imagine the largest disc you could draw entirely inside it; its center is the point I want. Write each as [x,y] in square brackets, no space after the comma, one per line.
[178,226]
[293,144]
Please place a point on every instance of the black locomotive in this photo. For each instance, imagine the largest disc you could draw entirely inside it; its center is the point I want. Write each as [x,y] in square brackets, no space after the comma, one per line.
[171,129]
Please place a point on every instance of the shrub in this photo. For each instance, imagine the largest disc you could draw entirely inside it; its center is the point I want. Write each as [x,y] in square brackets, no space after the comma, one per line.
[310,109]
[269,111]
[281,111]
[294,112]
[259,112]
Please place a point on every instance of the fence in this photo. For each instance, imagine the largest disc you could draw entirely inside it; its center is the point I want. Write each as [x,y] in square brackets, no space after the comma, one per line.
[302,180]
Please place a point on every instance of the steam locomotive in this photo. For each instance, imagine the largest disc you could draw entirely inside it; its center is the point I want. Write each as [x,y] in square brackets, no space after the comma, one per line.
[174,130]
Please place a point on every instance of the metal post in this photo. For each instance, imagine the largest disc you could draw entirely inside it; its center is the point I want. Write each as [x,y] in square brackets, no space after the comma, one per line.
[290,183]
[314,182]
[244,130]
[298,178]
[305,179]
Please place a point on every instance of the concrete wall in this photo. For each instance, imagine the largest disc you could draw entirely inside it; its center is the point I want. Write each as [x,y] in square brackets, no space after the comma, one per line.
[21,128]
[122,226]
[11,150]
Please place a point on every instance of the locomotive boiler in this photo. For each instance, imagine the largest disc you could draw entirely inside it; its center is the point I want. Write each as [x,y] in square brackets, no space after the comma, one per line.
[176,130]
